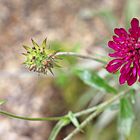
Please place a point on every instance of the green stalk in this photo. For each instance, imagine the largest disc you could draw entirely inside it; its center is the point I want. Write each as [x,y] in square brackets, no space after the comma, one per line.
[80,56]
[100,108]
[28,118]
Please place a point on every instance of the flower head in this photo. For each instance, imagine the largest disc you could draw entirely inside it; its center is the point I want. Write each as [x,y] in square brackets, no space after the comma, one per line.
[127,53]
[39,58]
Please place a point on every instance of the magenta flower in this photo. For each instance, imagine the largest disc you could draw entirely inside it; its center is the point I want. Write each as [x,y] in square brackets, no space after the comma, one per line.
[127,53]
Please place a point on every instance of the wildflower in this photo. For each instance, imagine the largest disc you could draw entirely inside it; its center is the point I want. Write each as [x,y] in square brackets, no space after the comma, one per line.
[127,53]
[40,58]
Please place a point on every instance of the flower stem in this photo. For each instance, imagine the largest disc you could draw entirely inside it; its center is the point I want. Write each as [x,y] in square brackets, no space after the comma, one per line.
[30,119]
[100,108]
[80,56]
[86,111]
[78,114]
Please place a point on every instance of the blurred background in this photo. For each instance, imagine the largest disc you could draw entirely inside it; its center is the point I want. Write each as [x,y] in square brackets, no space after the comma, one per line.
[82,26]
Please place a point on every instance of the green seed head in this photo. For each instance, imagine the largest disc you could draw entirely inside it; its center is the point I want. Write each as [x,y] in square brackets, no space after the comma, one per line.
[40,58]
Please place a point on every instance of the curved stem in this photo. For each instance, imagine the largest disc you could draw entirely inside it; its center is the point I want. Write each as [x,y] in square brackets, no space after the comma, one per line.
[94,114]
[79,55]
[78,114]
[30,119]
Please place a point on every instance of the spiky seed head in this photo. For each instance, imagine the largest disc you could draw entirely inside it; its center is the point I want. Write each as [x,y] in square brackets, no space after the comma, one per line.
[40,58]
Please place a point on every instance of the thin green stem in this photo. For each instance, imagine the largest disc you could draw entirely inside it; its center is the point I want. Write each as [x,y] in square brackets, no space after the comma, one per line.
[80,56]
[78,114]
[86,111]
[94,114]
[30,119]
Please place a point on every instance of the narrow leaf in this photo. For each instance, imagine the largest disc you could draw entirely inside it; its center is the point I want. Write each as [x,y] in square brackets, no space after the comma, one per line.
[126,117]
[132,96]
[58,127]
[94,80]
[74,120]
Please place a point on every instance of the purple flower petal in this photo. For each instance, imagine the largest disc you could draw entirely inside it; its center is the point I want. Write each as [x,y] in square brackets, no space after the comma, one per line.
[120,32]
[124,72]
[122,78]
[139,71]
[113,45]
[132,79]
[114,65]
[127,53]
[118,39]
[126,68]
[116,54]
[134,23]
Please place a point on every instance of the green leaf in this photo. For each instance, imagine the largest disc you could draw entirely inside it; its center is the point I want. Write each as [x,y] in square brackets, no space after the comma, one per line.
[94,80]
[132,96]
[2,101]
[58,127]
[126,117]
[74,120]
